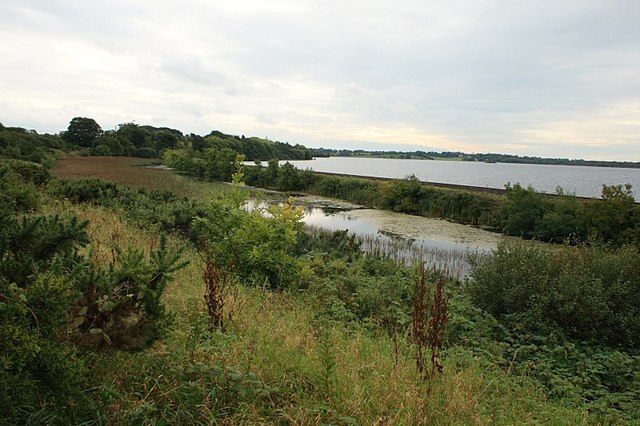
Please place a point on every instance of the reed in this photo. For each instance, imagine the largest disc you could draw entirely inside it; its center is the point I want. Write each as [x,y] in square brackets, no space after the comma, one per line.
[406,252]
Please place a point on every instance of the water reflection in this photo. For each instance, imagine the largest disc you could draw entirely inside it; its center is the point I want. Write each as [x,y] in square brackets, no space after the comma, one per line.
[337,220]
[439,252]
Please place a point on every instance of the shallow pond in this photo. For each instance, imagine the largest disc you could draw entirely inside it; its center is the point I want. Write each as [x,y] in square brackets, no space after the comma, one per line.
[438,243]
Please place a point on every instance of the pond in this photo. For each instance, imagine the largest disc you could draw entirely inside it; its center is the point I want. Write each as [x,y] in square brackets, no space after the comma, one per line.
[439,243]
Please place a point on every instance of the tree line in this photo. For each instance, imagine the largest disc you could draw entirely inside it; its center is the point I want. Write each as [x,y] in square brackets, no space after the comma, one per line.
[457,155]
[85,136]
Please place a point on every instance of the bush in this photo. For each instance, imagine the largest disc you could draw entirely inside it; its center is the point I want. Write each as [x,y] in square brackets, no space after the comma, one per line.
[50,292]
[121,307]
[258,248]
[586,292]
[38,367]
[34,173]
[87,190]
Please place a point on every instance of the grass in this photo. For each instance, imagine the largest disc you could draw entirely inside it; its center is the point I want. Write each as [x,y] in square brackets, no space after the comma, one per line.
[325,373]
[135,173]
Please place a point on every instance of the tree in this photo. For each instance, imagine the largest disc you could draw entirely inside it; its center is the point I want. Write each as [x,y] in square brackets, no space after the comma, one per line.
[522,210]
[136,135]
[82,131]
[615,217]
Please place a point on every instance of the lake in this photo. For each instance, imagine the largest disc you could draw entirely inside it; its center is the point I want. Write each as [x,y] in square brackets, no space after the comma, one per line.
[578,180]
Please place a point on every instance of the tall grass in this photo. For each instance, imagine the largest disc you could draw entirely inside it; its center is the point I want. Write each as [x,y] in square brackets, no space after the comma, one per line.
[452,263]
[135,173]
[279,361]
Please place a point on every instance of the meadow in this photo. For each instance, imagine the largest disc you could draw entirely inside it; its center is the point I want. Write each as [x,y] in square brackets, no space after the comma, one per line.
[314,331]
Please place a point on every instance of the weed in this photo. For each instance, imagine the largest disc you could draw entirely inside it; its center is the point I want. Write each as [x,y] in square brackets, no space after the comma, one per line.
[429,317]
[217,285]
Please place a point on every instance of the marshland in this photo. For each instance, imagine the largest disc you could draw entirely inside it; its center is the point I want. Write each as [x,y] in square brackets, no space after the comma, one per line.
[138,295]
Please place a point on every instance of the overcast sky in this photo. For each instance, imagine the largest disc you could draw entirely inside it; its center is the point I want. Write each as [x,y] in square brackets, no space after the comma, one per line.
[545,78]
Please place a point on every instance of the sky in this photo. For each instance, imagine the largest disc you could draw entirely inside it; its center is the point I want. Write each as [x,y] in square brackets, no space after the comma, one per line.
[543,78]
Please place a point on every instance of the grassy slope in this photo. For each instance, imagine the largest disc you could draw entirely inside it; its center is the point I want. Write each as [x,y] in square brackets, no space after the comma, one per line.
[324,371]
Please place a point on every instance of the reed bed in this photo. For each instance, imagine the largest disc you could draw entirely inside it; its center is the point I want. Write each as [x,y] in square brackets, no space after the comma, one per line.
[135,173]
[452,263]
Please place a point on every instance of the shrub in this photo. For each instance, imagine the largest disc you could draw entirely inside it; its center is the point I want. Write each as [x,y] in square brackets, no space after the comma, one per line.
[31,172]
[50,292]
[121,307]
[38,367]
[16,194]
[585,292]
[87,190]
[257,248]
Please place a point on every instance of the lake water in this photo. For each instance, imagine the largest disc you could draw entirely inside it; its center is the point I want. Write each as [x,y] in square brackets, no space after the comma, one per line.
[579,180]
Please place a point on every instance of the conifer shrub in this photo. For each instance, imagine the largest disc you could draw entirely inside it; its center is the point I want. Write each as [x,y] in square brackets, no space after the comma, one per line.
[87,190]
[52,297]
[39,368]
[120,308]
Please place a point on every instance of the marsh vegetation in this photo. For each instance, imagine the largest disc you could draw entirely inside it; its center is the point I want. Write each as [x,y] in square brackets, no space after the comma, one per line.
[125,303]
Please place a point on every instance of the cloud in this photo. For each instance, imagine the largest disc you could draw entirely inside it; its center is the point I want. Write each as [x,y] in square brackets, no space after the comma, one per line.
[542,78]
[609,131]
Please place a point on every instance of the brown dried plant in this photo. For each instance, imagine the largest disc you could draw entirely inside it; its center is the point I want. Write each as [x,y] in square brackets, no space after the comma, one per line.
[429,318]
[217,285]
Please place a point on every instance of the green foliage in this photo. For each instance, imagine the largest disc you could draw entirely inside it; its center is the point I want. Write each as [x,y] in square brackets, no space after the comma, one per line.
[219,164]
[616,217]
[254,148]
[22,144]
[17,192]
[585,292]
[38,367]
[51,295]
[228,385]
[87,190]
[121,307]
[162,210]
[522,210]
[563,222]
[28,171]
[607,379]
[82,132]
[184,160]
[411,196]
[256,247]
[569,317]
[37,244]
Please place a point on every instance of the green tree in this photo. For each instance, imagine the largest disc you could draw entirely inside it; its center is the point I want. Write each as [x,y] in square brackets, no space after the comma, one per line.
[82,132]
[522,210]
[136,135]
[615,217]
[289,179]
[219,164]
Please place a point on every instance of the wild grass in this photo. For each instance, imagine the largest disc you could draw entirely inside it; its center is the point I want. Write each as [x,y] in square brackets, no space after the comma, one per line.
[135,173]
[292,366]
